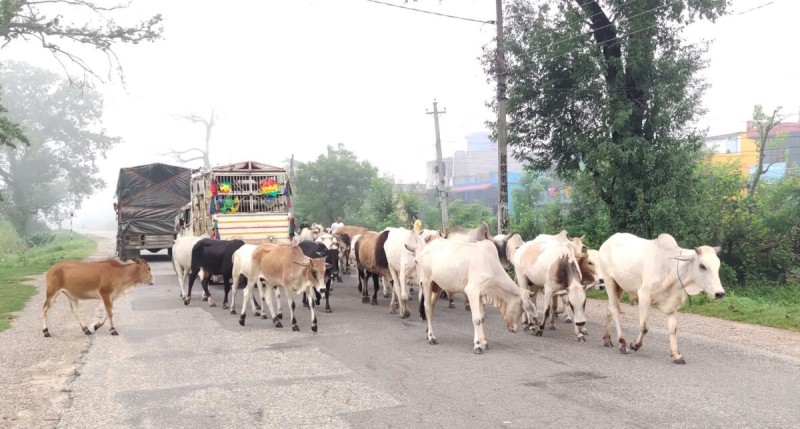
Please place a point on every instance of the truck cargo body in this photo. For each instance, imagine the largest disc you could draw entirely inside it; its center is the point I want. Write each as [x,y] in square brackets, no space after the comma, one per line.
[148,199]
[249,201]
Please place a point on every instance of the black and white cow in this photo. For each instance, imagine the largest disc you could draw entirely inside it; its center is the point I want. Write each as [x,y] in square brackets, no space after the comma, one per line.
[215,258]
[314,249]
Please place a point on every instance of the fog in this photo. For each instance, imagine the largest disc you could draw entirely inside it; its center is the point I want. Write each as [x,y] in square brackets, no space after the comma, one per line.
[289,78]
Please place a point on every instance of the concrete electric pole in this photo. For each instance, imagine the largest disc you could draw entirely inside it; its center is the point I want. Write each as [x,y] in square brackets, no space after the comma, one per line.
[441,185]
[502,127]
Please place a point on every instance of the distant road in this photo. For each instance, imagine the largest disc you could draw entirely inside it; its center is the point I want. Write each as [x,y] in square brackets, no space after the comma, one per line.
[194,366]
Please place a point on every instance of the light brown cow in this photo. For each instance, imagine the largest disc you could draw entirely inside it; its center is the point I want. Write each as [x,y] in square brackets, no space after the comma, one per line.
[287,267]
[346,234]
[371,261]
[105,280]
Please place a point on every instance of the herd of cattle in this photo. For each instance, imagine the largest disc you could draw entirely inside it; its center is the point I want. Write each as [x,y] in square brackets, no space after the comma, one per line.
[462,261]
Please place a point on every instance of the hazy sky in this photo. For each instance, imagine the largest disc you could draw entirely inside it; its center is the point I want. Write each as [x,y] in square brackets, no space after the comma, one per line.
[291,77]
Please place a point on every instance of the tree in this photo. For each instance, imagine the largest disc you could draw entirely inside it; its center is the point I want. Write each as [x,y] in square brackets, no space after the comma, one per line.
[200,153]
[58,169]
[764,124]
[44,22]
[610,89]
[336,184]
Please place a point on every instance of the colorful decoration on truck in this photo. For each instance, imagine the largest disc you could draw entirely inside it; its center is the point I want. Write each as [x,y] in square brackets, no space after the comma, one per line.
[226,204]
[269,188]
[225,188]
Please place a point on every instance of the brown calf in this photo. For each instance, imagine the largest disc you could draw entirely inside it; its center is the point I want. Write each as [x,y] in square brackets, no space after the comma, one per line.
[106,280]
[371,260]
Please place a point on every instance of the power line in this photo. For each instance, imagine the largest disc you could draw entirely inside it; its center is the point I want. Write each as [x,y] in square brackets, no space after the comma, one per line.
[433,13]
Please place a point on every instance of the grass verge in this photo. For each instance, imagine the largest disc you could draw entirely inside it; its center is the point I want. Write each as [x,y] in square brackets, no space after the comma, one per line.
[15,268]
[765,305]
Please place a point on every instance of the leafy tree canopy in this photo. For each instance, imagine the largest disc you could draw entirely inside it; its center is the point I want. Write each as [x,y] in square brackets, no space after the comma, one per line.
[58,169]
[609,88]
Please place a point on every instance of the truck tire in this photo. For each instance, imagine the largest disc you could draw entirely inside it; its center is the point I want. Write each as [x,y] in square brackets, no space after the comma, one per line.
[169,252]
[130,254]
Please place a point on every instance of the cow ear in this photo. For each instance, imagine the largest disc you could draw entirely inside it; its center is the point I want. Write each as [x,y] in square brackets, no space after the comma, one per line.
[717,249]
[328,266]
[697,250]
[684,258]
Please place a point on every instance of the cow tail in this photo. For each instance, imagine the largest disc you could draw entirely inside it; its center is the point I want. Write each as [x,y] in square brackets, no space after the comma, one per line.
[197,254]
[380,253]
[355,251]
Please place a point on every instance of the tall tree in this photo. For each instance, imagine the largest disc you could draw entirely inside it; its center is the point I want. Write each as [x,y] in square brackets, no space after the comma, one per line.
[609,88]
[58,169]
[764,125]
[195,153]
[334,184]
[51,24]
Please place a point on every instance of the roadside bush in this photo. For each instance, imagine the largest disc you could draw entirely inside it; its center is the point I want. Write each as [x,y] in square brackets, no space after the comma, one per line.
[39,239]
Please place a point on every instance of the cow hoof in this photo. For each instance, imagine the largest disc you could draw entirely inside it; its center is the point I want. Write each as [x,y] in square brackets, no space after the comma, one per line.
[114,332]
[467,307]
[552,327]
[295,328]
[46,333]
[213,304]
[280,315]
[478,351]
[241,322]
[313,329]
[406,315]
[187,301]
[364,300]
[205,298]
[386,295]
[432,341]
[623,350]
[635,347]
[305,304]
[607,343]
[264,316]
[581,339]
[393,311]
[233,311]
[339,279]
[225,306]
[451,305]
[87,331]
[374,301]
[539,333]
[679,361]
[567,320]
[328,310]
[279,325]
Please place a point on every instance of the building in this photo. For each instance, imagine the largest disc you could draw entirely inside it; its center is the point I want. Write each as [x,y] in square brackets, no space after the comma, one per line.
[471,175]
[740,149]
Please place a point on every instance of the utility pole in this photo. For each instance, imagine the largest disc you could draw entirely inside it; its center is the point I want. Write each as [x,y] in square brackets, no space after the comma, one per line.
[502,127]
[441,186]
[291,167]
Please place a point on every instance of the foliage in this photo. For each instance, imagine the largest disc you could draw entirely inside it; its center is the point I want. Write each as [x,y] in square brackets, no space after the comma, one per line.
[777,307]
[43,22]
[16,267]
[470,215]
[615,100]
[336,184]
[58,169]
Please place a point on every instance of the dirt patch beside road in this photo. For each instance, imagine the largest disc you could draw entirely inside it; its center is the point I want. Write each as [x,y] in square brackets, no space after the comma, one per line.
[35,369]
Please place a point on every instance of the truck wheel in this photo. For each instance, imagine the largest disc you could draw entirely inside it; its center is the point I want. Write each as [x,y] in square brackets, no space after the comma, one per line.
[169,252]
[131,254]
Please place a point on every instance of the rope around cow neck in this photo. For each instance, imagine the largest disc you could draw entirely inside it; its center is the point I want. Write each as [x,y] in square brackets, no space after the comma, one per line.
[678,272]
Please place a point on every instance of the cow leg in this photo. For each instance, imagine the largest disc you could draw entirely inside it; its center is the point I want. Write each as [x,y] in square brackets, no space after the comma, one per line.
[394,304]
[328,295]
[522,282]
[567,311]
[237,280]
[672,328]
[478,317]
[192,277]
[206,294]
[613,313]
[305,300]
[109,306]
[428,300]
[73,305]
[290,301]
[226,281]
[248,290]
[317,296]
[548,304]
[376,286]
[553,316]
[268,303]
[313,313]
[405,311]
[363,278]
[278,301]
[48,302]
[644,306]
[467,305]
[385,288]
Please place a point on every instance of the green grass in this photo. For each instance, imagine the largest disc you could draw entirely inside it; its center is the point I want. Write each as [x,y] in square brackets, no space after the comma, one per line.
[15,268]
[766,305]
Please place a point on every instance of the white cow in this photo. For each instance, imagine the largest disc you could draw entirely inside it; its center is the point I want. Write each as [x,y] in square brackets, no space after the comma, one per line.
[244,266]
[552,266]
[401,266]
[311,233]
[182,258]
[660,272]
[473,269]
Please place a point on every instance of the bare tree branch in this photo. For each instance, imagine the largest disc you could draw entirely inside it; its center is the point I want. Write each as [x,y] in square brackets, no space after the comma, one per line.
[85,3]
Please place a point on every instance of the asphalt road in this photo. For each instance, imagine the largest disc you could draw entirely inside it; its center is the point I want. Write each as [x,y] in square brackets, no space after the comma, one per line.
[194,366]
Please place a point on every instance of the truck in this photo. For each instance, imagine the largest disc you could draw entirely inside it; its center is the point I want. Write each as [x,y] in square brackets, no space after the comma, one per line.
[148,198]
[250,201]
